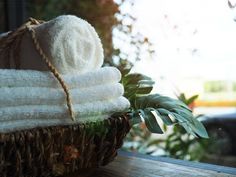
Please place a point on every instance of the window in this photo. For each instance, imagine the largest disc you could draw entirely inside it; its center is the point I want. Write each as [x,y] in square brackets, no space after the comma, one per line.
[2,17]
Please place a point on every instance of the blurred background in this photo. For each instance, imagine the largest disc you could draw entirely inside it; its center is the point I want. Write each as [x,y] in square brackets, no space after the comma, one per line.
[186,46]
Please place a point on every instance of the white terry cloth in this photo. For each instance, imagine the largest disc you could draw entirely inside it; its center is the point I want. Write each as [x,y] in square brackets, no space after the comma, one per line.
[32,78]
[17,125]
[47,112]
[17,96]
[71,44]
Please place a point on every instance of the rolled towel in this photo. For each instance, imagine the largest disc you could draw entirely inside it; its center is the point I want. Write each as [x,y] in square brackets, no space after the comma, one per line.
[60,111]
[17,96]
[71,44]
[32,78]
[17,125]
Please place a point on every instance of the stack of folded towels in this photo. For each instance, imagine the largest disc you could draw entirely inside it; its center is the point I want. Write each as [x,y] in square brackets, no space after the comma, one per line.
[32,97]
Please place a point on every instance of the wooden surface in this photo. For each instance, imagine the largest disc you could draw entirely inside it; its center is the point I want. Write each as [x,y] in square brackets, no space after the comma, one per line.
[136,166]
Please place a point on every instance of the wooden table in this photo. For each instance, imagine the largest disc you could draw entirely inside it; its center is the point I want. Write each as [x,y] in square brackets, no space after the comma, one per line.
[136,165]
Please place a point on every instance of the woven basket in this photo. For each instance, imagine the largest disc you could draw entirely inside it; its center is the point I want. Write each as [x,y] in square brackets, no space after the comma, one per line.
[43,152]
[57,150]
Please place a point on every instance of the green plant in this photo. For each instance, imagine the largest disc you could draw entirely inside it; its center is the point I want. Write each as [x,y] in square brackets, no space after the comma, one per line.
[150,108]
[157,113]
[180,145]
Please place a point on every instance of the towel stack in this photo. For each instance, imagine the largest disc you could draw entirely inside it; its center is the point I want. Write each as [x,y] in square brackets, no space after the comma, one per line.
[30,98]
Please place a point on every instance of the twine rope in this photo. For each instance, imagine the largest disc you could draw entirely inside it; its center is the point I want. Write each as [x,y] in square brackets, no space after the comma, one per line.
[52,69]
[11,44]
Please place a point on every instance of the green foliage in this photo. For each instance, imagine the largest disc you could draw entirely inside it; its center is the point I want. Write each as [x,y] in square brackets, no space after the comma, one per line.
[178,143]
[139,139]
[98,128]
[136,85]
[181,145]
[150,108]
[185,100]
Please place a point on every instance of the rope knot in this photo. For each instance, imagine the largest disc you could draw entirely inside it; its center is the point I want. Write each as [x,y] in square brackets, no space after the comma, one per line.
[11,43]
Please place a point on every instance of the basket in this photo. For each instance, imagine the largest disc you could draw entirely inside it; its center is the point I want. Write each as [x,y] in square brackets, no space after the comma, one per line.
[43,152]
[57,150]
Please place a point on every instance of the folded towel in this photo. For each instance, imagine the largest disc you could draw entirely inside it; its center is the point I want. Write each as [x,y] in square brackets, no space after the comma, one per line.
[17,96]
[17,125]
[71,44]
[32,78]
[60,111]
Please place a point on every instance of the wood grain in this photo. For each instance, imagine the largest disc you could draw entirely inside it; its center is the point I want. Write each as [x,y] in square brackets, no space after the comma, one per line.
[125,166]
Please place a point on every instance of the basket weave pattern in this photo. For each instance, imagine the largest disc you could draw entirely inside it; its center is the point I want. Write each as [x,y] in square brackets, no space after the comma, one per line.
[43,152]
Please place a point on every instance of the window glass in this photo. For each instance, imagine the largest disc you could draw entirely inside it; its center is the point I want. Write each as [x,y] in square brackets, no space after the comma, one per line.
[195,54]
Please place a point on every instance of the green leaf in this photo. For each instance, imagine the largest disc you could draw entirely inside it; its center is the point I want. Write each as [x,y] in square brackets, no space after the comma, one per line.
[136,84]
[125,71]
[188,101]
[179,117]
[167,108]
[191,99]
[146,82]
[182,97]
[140,103]
[199,129]
[187,128]
[165,115]
[144,90]
[136,78]
[136,119]
[151,122]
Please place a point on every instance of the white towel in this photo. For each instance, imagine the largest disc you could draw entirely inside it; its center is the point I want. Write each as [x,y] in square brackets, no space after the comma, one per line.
[31,98]
[24,124]
[32,78]
[17,96]
[47,112]
[71,44]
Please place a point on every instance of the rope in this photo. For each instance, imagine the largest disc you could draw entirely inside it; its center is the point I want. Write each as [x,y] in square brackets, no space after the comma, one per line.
[52,69]
[12,41]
